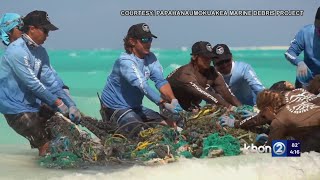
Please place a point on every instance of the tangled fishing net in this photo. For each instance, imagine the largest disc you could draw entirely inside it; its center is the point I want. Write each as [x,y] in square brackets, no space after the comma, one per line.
[70,146]
[148,143]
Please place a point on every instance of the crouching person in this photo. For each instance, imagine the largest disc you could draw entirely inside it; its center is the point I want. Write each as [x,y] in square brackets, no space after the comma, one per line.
[197,81]
[292,114]
[128,83]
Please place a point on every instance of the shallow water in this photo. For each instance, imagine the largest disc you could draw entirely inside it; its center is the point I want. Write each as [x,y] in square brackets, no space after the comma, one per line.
[85,73]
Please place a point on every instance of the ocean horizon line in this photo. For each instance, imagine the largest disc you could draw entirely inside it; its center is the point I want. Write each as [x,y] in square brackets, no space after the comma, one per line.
[183,48]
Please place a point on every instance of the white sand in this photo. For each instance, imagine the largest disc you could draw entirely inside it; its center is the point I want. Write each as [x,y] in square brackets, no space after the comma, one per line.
[19,162]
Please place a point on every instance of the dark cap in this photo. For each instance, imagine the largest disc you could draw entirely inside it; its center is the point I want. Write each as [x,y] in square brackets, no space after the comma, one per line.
[140,30]
[317,19]
[221,52]
[39,19]
[202,48]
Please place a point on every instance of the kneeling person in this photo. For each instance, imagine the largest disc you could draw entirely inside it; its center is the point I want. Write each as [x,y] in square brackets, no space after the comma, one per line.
[292,114]
[199,81]
[128,82]
[240,76]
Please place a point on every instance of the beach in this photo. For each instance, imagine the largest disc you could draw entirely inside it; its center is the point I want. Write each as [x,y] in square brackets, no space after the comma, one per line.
[85,72]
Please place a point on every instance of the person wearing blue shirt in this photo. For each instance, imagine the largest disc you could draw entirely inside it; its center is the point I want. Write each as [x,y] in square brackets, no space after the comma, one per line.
[10,27]
[240,77]
[128,82]
[27,80]
[308,41]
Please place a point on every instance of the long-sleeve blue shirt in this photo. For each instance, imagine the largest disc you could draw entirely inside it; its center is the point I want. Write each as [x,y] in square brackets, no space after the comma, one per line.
[128,82]
[22,90]
[307,41]
[244,83]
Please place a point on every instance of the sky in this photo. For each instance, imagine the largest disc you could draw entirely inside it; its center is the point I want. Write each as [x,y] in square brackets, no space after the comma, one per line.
[97,24]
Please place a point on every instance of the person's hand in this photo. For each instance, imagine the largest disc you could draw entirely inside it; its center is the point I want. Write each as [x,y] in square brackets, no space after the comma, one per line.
[195,111]
[174,107]
[172,123]
[231,108]
[302,71]
[304,74]
[262,138]
[62,108]
[245,113]
[227,120]
[74,114]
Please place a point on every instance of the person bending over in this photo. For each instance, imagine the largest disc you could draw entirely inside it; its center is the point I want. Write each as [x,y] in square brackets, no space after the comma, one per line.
[128,83]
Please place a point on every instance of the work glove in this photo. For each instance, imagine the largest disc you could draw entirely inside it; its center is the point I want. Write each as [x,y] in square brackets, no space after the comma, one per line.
[232,108]
[302,72]
[245,113]
[74,114]
[62,108]
[227,120]
[262,138]
[174,107]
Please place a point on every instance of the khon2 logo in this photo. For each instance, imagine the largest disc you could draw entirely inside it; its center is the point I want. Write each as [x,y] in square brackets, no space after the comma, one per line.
[285,148]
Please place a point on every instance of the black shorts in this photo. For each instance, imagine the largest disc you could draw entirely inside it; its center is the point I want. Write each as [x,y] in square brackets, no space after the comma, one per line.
[31,126]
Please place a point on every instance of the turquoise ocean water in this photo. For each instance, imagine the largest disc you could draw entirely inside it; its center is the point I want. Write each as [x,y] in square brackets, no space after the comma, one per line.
[85,72]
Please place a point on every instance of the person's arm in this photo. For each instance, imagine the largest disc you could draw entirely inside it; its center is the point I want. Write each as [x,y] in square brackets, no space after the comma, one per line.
[251,122]
[19,63]
[253,81]
[134,76]
[54,83]
[277,131]
[60,81]
[220,86]
[193,87]
[156,75]
[316,101]
[166,92]
[296,47]
[62,94]
[52,80]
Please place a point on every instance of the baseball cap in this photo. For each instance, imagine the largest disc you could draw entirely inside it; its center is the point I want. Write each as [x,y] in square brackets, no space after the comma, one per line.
[140,30]
[221,52]
[203,48]
[40,19]
[317,19]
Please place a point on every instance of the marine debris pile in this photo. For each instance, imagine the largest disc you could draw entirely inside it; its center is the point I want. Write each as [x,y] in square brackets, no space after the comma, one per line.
[148,143]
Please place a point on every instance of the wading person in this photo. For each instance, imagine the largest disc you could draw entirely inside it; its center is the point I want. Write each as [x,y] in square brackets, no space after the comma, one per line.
[24,77]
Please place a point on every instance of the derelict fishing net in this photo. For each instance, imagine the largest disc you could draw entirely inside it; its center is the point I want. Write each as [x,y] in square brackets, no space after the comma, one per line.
[147,143]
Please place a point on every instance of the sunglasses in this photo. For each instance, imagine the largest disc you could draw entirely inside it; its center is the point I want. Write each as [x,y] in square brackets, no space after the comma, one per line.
[222,62]
[19,27]
[146,40]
